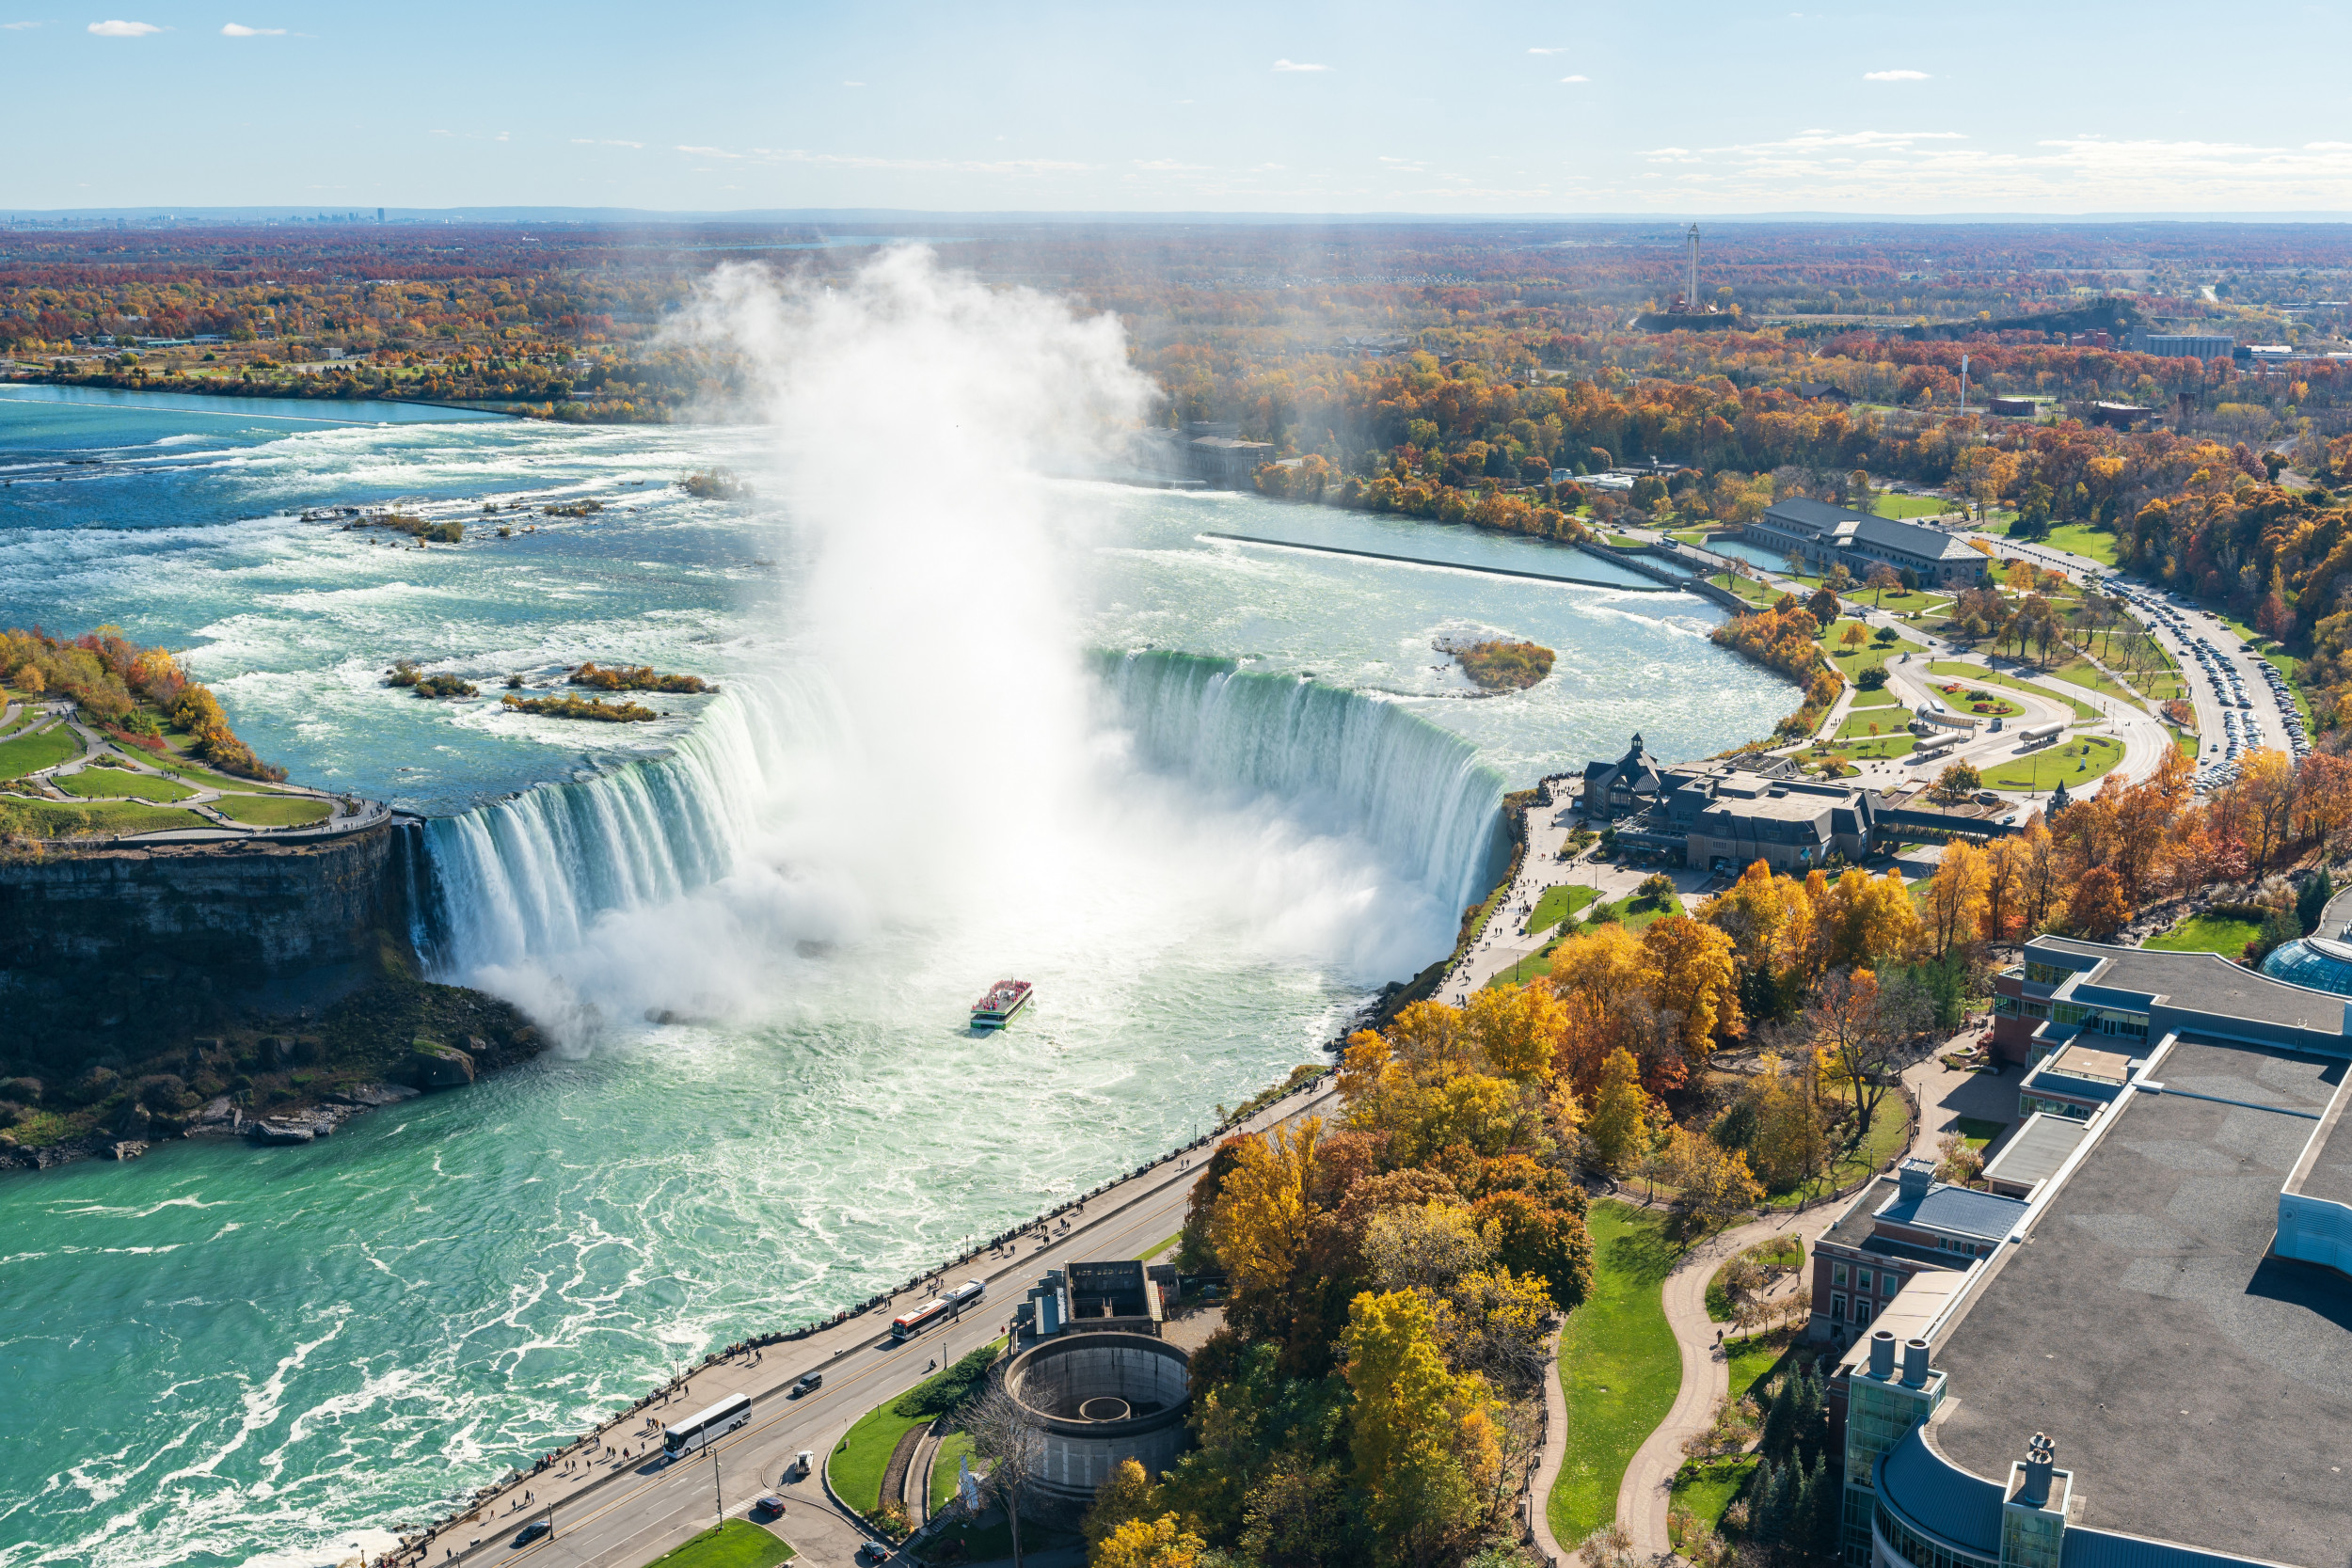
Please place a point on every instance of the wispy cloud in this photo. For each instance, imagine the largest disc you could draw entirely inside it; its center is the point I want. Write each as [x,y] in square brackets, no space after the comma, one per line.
[1168,166]
[852,84]
[1547,51]
[1298,65]
[1894,76]
[16,26]
[1576,78]
[239,30]
[604,141]
[123,30]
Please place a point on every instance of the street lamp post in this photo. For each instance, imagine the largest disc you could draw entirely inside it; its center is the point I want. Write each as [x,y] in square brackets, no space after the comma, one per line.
[717,1497]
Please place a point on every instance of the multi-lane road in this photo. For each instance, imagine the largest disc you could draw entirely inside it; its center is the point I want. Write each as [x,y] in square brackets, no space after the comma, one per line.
[628,1511]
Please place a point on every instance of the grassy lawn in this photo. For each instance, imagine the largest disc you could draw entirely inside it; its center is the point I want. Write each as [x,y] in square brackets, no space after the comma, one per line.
[858,1461]
[1983,703]
[2082,672]
[1868,750]
[1884,697]
[1147,1257]
[1873,721]
[57,820]
[1912,506]
[1870,656]
[1619,1366]
[1748,589]
[1708,1490]
[1535,964]
[2082,539]
[1624,542]
[92,782]
[945,1469]
[2207,933]
[1977,1131]
[1637,913]
[23,716]
[1752,1360]
[1558,903]
[2079,762]
[737,1544]
[29,753]
[273,811]
[1979,672]
[2186,743]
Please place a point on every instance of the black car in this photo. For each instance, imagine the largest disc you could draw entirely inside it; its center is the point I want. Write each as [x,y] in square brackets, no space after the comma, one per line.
[538,1530]
[809,1383]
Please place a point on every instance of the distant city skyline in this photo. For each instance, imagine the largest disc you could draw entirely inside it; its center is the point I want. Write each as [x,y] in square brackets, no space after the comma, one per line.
[1500,109]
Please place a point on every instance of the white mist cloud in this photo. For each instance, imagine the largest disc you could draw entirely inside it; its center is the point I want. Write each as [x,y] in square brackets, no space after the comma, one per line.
[123,30]
[1297,65]
[1894,76]
[1576,78]
[239,30]
[930,776]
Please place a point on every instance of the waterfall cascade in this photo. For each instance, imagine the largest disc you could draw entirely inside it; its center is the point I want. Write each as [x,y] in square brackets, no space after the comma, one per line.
[528,877]
[1415,789]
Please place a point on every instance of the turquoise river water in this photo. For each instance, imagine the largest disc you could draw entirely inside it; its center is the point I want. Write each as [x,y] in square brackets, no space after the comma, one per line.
[753,926]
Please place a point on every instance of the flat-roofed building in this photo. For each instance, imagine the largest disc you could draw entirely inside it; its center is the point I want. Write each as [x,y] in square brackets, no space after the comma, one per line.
[2169,1314]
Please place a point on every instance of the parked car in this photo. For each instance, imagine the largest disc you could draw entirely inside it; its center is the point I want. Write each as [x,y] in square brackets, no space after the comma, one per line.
[873,1551]
[809,1383]
[538,1530]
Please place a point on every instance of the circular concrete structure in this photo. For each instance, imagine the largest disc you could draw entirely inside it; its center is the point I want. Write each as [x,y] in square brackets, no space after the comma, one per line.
[1096,1400]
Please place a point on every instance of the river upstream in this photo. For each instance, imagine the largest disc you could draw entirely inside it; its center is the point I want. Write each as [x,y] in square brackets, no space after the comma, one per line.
[1085,755]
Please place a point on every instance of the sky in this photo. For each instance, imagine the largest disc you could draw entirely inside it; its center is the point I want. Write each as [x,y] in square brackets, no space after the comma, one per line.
[1695,109]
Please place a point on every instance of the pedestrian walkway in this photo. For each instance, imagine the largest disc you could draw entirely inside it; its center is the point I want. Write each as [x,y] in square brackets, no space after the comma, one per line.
[1646,1494]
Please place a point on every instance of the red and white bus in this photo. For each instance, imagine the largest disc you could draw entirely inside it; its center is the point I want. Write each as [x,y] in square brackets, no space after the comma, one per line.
[906,1325]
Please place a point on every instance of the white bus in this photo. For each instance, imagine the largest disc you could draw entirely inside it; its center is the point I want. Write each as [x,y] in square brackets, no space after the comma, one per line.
[704,1427]
[906,1325]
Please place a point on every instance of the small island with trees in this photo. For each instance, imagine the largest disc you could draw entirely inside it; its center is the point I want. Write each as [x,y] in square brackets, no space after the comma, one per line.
[581,707]
[638,679]
[1498,664]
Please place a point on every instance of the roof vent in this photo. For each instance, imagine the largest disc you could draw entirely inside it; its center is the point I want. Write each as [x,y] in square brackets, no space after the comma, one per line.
[1882,1355]
[2040,1459]
[1916,1363]
[1913,1178]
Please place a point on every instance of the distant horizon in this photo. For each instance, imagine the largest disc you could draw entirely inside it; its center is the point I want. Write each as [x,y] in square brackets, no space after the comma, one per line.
[520,213]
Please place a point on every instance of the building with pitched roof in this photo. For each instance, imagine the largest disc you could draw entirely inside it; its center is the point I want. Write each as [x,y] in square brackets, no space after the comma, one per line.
[1838,536]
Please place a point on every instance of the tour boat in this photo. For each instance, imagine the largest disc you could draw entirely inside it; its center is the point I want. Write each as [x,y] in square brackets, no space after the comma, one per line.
[1004,999]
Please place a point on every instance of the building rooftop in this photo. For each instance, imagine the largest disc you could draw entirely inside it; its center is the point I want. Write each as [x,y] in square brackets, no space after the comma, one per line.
[1857,1224]
[2205,983]
[2083,1061]
[2199,1390]
[1959,1210]
[2329,1174]
[2036,1151]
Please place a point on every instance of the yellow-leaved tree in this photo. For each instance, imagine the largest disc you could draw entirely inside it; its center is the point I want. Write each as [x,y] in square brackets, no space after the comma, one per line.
[1425,1450]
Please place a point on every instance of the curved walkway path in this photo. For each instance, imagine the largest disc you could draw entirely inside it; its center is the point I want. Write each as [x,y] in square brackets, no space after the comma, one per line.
[1645,1494]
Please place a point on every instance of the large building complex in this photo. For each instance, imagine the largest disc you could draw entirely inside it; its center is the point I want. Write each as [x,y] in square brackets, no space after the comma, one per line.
[2183,345]
[1753,806]
[1830,535]
[2136,1350]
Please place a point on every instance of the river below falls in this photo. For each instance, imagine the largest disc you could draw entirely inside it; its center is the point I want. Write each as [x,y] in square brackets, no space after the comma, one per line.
[228,1356]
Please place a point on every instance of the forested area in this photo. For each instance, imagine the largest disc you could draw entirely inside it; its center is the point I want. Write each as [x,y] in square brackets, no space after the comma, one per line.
[1392,1275]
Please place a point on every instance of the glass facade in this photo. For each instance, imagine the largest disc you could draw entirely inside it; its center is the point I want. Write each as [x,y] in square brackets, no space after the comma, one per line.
[1878,1416]
[2032,1538]
[2316,962]
[1925,1551]
[2046,974]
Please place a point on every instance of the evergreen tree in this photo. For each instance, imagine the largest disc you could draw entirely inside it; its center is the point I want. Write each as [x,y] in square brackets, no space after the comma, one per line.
[1764,1494]
[1780,1419]
[1782,1501]
[1809,1423]
[1822,1519]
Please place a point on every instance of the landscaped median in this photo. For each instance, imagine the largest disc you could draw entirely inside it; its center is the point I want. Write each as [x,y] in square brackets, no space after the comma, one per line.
[862,1461]
[1619,1367]
[737,1544]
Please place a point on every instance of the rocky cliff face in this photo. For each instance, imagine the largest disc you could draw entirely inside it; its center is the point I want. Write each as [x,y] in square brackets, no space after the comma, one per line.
[124,945]
[187,990]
